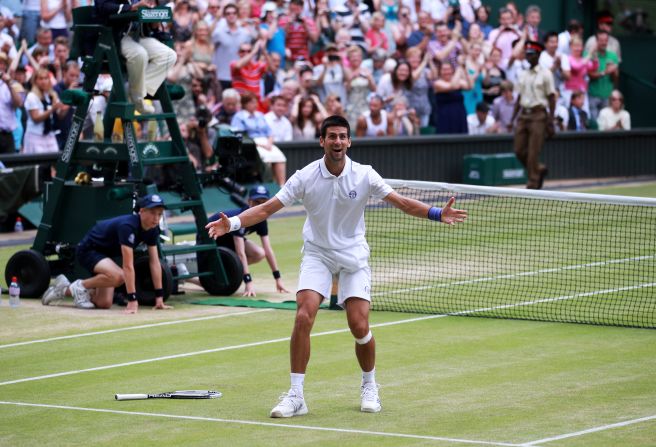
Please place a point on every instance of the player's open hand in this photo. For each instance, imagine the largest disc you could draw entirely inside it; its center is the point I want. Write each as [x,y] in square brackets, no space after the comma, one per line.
[249,290]
[219,227]
[280,287]
[132,308]
[451,215]
[159,304]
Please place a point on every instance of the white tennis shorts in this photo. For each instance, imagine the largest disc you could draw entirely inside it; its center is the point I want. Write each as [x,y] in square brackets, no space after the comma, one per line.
[352,265]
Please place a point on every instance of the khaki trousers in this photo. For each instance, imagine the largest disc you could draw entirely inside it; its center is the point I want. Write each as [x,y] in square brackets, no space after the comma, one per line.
[529,139]
[148,62]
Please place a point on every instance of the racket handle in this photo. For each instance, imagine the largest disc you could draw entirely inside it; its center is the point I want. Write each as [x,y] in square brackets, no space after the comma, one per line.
[130,396]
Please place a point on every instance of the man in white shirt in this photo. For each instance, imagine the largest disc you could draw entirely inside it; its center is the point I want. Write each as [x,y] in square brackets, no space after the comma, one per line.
[334,191]
[281,127]
[481,122]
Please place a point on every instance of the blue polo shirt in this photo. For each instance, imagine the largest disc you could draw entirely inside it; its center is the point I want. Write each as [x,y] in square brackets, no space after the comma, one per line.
[107,236]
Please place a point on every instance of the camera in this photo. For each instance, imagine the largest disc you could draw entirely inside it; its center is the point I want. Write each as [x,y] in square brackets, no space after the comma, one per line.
[333,57]
[203,115]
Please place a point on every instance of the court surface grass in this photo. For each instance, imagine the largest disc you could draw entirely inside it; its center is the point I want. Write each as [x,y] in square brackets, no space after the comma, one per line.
[445,381]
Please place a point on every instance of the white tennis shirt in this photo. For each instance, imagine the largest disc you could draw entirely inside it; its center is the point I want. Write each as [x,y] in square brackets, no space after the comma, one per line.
[335,205]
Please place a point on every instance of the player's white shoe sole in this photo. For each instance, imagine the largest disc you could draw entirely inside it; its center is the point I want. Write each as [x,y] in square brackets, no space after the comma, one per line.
[290,405]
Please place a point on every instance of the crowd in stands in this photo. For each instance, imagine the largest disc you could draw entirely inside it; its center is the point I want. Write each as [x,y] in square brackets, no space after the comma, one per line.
[276,69]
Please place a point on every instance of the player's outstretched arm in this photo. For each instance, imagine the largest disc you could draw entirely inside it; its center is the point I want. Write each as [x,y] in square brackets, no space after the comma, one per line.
[248,218]
[447,215]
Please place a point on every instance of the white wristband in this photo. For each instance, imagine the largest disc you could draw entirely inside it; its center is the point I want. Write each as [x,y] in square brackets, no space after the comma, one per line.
[235,223]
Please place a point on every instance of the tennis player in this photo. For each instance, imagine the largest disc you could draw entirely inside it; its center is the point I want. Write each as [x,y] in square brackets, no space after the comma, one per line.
[334,191]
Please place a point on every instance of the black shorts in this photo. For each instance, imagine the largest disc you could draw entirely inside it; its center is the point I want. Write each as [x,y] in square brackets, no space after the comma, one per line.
[87,256]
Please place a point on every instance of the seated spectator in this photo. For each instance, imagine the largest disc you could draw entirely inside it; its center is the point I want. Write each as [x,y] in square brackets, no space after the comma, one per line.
[230,105]
[578,118]
[481,122]
[251,121]
[374,122]
[503,107]
[395,84]
[307,115]
[405,122]
[614,117]
[281,127]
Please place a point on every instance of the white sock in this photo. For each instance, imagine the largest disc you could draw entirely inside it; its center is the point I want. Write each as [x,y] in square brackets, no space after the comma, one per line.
[369,377]
[297,382]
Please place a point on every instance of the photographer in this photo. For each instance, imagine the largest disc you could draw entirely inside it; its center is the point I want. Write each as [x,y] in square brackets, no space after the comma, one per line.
[248,252]
[504,36]
[330,74]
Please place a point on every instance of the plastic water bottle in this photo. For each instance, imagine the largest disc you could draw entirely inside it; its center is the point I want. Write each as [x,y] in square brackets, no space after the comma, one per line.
[14,293]
[18,226]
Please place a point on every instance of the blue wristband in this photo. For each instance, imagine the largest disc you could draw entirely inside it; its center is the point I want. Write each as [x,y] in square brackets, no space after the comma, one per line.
[435,213]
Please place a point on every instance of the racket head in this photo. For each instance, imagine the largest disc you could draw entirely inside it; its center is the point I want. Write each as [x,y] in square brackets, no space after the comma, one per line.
[194,394]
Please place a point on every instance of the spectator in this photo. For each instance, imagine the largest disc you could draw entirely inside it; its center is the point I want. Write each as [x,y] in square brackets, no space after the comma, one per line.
[31,20]
[307,115]
[580,67]
[184,21]
[246,72]
[614,117]
[281,127]
[62,53]
[561,114]
[517,18]
[230,105]
[418,95]
[228,38]
[476,37]
[395,84]
[290,89]
[43,42]
[402,30]
[7,43]
[533,18]
[450,116]
[272,32]
[422,36]
[306,81]
[446,46]
[504,36]
[212,15]
[41,104]
[578,118]
[552,60]
[481,122]
[404,121]
[359,83]
[203,48]
[375,36]
[517,63]
[10,100]
[604,79]
[503,107]
[299,32]
[474,66]
[482,20]
[333,105]
[330,75]
[574,28]
[376,64]
[326,33]
[605,23]
[494,75]
[374,122]
[186,72]
[354,16]
[273,77]
[70,80]
[55,14]
[251,121]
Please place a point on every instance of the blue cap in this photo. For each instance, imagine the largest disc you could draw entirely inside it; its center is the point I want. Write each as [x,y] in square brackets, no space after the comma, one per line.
[151,201]
[258,192]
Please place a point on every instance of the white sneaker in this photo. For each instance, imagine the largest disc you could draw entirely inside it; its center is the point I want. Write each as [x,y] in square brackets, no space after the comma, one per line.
[57,291]
[81,297]
[291,404]
[369,400]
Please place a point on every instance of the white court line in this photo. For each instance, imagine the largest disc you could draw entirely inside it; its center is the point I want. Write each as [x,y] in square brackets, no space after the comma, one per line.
[590,430]
[131,328]
[337,331]
[516,275]
[206,351]
[263,424]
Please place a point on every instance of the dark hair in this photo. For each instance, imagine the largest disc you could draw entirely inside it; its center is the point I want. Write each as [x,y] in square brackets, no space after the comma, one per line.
[482,107]
[549,35]
[230,5]
[576,94]
[396,82]
[247,97]
[300,119]
[335,121]
[600,32]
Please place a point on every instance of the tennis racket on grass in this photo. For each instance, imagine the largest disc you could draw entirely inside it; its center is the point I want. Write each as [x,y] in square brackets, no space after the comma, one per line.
[188,394]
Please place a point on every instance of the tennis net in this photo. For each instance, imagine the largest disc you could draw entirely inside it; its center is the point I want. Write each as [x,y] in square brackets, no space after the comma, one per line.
[536,255]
